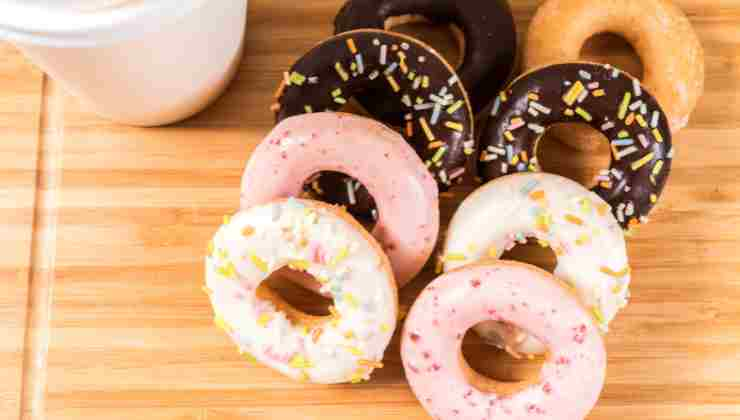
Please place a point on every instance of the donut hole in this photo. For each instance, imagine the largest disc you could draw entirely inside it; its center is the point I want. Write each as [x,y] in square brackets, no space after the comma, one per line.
[491,369]
[610,48]
[446,38]
[582,166]
[533,253]
[289,290]
[341,189]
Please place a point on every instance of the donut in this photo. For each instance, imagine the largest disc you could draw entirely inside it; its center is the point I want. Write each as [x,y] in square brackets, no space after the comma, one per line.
[602,96]
[572,376]
[438,120]
[332,247]
[661,34]
[485,30]
[560,214]
[406,194]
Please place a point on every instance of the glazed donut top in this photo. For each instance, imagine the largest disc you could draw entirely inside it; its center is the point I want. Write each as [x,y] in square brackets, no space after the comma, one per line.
[490,40]
[607,99]
[327,244]
[439,121]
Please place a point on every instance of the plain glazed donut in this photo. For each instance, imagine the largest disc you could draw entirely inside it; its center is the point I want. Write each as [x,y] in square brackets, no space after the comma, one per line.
[571,379]
[661,34]
[561,214]
[403,188]
[488,43]
[602,96]
[438,121]
[326,243]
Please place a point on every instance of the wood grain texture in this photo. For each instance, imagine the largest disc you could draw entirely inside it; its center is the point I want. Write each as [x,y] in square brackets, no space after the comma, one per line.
[20,103]
[131,333]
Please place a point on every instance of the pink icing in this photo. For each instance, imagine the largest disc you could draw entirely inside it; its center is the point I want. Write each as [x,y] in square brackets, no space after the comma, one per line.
[403,188]
[571,379]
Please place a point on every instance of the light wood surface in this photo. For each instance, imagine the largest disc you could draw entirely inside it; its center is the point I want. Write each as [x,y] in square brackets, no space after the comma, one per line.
[123,215]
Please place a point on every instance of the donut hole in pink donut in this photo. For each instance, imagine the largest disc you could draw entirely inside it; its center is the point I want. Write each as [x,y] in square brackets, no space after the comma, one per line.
[447,39]
[284,289]
[365,210]
[492,369]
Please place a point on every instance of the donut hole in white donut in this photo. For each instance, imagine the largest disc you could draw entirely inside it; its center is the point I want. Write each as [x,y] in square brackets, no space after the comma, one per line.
[292,287]
[351,191]
[447,39]
[491,369]
[582,166]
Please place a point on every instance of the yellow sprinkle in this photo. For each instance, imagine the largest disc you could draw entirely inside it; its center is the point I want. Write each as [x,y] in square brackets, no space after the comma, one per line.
[657,168]
[623,106]
[370,363]
[569,112]
[583,239]
[603,209]
[543,243]
[248,357]
[349,335]
[305,330]
[384,327]
[617,289]
[609,272]
[300,362]
[472,248]
[586,205]
[435,144]
[508,135]
[438,155]
[258,262]
[516,121]
[356,378]
[455,257]
[304,376]
[630,118]
[211,248]
[351,45]
[425,82]
[207,290]
[297,78]
[342,73]
[623,134]
[264,319]
[228,271]
[300,265]
[316,334]
[222,324]
[454,107]
[599,93]
[573,93]
[515,160]
[227,219]
[503,97]
[454,126]
[393,83]
[641,120]
[640,163]
[584,114]
[537,195]
[354,350]
[653,198]
[533,96]
[598,315]
[493,252]
[247,231]
[573,219]
[543,222]
[322,279]
[657,135]
[351,300]
[427,130]
[341,255]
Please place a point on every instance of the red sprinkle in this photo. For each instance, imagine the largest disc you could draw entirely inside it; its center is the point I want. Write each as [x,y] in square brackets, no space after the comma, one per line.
[475,283]
[562,360]
[547,388]
[414,337]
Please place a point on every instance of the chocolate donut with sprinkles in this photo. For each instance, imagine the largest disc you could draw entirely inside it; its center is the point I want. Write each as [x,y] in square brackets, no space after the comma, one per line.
[438,117]
[601,96]
[485,31]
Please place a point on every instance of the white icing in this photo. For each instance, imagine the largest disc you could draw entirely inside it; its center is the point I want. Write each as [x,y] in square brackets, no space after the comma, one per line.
[581,229]
[358,276]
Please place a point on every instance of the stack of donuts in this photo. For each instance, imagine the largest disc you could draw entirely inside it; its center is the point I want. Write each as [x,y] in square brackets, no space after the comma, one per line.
[422,140]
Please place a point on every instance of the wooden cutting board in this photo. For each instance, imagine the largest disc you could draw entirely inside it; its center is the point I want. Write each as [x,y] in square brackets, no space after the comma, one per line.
[119,327]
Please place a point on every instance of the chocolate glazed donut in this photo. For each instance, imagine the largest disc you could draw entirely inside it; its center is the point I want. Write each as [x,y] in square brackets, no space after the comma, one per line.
[489,40]
[607,99]
[438,121]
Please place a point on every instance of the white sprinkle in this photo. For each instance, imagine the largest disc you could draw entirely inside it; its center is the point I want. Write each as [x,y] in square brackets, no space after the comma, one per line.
[509,153]
[421,107]
[374,75]
[504,168]
[457,173]
[469,144]
[435,114]
[536,128]
[417,83]
[376,42]
[532,112]
[630,209]
[643,109]
[422,59]
[582,96]
[567,83]
[615,73]
[617,173]
[626,152]
[404,46]
[497,150]
[643,140]
[627,188]
[409,116]
[374,213]
[443,176]
[441,101]
[443,91]
[602,178]
[670,154]
[489,157]
[406,100]
[496,106]
[391,68]
[383,54]
[357,185]
[360,64]
[584,74]
[636,105]
[593,85]
[654,120]
[607,126]
[313,80]
[541,108]
[620,212]
[637,87]
[452,80]
[350,191]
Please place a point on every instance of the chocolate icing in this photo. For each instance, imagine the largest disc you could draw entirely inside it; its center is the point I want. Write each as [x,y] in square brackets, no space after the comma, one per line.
[602,96]
[438,121]
[490,43]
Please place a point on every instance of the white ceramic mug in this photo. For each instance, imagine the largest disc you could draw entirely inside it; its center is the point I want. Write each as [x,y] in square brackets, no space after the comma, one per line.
[138,62]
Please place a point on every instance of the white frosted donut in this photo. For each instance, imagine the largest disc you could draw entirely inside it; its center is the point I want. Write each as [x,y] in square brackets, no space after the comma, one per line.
[576,223]
[571,379]
[329,245]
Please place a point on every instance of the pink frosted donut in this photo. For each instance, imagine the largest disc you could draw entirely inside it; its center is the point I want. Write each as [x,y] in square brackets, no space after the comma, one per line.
[404,190]
[571,378]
